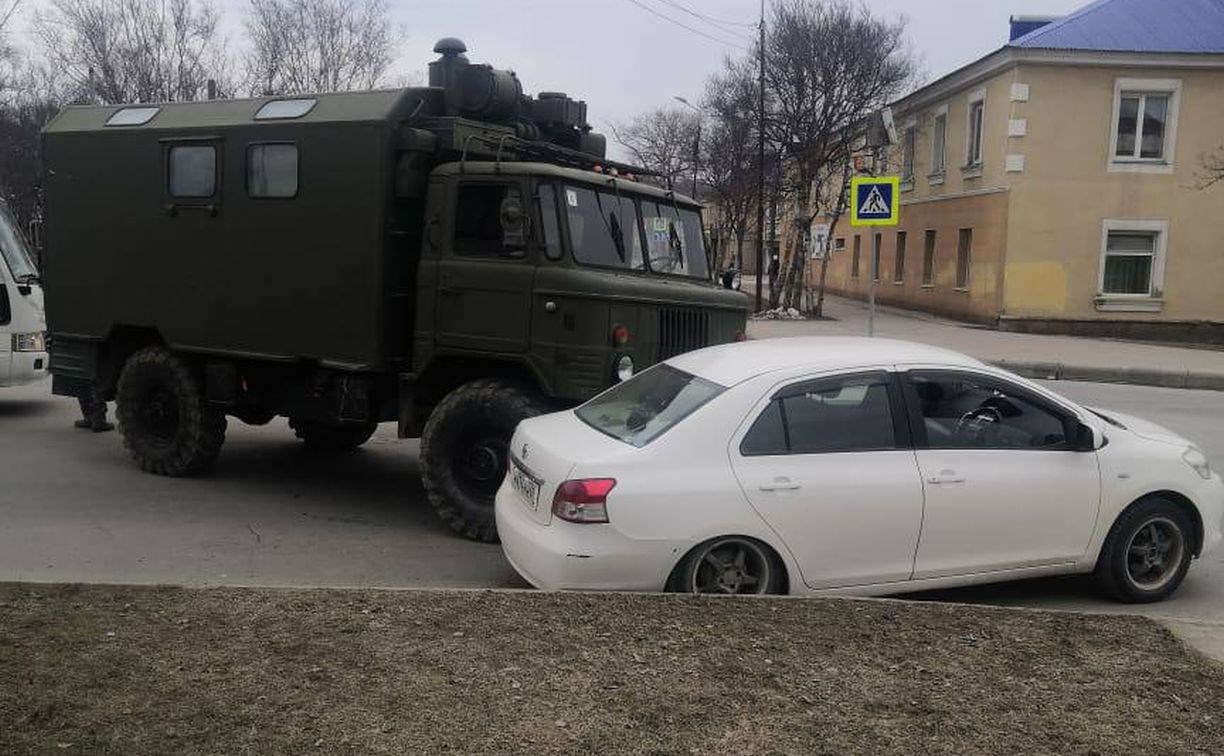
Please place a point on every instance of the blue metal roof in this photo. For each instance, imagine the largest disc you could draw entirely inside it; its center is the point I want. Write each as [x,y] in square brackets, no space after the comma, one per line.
[1151,26]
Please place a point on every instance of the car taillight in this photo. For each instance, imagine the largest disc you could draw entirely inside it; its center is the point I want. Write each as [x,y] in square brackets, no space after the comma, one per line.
[620,335]
[583,501]
[741,336]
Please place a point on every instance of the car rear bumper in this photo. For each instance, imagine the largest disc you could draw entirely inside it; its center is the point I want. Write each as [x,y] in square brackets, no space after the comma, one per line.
[566,556]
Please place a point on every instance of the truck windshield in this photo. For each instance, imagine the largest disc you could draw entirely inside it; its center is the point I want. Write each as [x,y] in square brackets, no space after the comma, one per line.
[13,249]
[639,410]
[607,230]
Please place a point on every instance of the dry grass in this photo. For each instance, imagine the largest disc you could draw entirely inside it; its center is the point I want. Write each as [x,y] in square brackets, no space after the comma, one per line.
[151,671]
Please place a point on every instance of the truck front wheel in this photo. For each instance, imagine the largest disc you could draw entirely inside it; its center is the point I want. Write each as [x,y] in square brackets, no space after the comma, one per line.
[330,436]
[464,451]
[167,427]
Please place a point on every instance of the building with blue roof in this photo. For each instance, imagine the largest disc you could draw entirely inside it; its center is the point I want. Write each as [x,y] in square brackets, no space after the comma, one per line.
[1061,183]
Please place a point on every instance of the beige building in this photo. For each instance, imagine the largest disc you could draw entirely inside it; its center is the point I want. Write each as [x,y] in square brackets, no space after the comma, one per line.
[1056,184]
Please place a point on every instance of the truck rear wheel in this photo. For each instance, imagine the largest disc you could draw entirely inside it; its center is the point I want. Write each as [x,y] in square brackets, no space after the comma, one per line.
[330,436]
[167,427]
[465,448]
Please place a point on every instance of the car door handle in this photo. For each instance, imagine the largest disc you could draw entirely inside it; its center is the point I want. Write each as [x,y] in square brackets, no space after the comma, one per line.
[782,484]
[945,476]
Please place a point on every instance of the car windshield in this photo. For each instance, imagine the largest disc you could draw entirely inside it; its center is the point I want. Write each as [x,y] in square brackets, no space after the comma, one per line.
[607,228]
[13,249]
[642,408]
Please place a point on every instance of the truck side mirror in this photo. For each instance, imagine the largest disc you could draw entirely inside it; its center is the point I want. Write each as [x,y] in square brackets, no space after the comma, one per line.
[514,226]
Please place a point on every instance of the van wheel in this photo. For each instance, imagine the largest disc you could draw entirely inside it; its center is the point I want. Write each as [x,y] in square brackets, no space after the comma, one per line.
[465,449]
[332,437]
[1147,553]
[166,425]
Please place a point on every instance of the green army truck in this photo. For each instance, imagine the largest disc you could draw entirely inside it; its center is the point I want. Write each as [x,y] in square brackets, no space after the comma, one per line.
[455,257]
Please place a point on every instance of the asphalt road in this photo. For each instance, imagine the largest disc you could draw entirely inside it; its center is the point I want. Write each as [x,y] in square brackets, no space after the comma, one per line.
[73,508]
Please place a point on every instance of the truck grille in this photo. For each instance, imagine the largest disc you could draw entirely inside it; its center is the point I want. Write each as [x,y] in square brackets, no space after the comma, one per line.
[682,331]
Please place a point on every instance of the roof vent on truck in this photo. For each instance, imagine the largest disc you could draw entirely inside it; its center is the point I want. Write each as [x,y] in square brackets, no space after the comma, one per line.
[134,116]
[279,110]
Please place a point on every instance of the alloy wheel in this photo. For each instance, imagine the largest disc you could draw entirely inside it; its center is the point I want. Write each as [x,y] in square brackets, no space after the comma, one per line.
[1154,554]
[732,566]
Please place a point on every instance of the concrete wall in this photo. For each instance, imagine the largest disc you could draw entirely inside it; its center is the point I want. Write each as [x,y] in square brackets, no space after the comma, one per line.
[1067,190]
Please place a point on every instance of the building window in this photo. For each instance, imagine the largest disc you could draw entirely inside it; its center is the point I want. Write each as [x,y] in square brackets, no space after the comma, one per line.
[876,243]
[1144,124]
[909,141]
[1132,265]
[839,244]
[963,250]
[939,138]
[899,262]
[193,171]
[977,114]
[928,259]
[854,258]
[272,170]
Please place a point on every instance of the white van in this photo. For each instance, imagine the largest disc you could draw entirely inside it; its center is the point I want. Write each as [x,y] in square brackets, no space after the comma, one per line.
[23,325]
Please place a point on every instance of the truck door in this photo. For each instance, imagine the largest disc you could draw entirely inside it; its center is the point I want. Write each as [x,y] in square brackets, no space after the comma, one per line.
[485,273]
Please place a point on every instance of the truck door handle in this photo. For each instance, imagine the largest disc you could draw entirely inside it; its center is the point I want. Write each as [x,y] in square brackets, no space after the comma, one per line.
[945,476]
[782,484]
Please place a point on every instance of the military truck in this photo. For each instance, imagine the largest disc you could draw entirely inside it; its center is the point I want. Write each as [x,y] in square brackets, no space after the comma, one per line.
[455,258]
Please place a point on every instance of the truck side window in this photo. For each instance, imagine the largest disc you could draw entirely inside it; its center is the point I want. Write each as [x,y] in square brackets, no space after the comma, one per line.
[550,230]
[478,228]
[193,170]
[272,170]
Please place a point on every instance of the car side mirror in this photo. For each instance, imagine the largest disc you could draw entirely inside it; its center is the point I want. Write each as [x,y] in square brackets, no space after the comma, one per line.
[514,226]
[1086,438]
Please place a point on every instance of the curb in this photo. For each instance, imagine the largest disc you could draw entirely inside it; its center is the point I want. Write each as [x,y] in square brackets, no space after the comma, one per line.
[1056,371]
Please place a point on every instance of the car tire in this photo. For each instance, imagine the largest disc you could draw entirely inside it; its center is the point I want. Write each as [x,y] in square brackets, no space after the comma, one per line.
[726,564]
[1147,553]
[166,425]
[465,448]
[332,436]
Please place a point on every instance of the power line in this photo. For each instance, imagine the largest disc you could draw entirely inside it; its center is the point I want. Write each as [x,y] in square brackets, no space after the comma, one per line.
[12,9]
[683,25]
[717,23]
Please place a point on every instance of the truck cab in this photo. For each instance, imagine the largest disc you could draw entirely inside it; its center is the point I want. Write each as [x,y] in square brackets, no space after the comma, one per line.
[23,345]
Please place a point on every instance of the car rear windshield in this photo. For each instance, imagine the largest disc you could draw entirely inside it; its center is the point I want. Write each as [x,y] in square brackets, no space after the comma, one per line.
[642,408]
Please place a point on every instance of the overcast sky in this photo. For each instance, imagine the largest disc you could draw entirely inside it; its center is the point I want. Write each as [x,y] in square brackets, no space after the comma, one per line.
[623,59]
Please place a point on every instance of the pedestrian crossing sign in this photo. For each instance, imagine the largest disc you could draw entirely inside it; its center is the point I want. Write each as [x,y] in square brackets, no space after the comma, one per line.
[874,200]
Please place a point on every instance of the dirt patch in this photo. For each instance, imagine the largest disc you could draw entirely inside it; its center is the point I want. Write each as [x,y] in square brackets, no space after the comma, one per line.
[163,670]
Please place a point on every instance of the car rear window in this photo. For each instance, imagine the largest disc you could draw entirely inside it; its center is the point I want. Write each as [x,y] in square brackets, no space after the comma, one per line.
[642,408]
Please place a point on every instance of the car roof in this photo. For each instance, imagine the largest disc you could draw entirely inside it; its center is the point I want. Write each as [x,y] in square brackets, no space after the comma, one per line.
[730,364]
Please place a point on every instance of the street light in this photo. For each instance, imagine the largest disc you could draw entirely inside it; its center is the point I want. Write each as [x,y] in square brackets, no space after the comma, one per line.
[696,140]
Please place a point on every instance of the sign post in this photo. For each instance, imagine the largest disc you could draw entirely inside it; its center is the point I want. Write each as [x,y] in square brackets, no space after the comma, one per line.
[874,201]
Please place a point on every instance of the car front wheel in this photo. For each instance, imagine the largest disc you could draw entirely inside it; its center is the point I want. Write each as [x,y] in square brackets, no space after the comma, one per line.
[1148,552]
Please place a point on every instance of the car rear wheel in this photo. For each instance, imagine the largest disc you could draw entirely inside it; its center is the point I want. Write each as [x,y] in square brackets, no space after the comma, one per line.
[332,436]
[729,565]
[1148,552]
[465,448]
[166,425]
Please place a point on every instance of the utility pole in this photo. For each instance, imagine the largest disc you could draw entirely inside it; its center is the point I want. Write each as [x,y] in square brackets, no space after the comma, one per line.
[760,250]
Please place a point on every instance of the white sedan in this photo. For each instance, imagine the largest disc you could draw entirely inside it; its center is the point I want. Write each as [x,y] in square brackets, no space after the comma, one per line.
[849,465]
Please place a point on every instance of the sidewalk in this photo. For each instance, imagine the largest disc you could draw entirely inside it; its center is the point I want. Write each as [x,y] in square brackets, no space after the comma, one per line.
[1067,358]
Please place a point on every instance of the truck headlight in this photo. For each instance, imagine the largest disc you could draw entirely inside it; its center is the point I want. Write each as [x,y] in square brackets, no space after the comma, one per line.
[624,367]
[30,342]
[1198,461]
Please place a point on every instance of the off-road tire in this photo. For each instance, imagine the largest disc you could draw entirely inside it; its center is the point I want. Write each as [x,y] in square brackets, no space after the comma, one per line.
[189,444]
[332,437]
[1112,572]
[487,409]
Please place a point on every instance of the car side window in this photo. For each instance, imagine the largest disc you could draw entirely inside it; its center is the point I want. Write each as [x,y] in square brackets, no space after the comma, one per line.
[478,221]
[829,415]
[960,411]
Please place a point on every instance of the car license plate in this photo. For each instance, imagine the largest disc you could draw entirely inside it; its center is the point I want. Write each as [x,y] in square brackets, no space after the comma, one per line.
[527,487]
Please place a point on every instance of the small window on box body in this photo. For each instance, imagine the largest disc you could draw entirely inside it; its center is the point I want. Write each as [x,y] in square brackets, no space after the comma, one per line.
[272,170]
[132,116]
[193,171]
[282,109]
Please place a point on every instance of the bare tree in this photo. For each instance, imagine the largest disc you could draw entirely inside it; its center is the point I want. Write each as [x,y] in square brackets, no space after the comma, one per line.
[661,141]
[7,54]
[113,51]
[829,65]
[730,156]
[300,46]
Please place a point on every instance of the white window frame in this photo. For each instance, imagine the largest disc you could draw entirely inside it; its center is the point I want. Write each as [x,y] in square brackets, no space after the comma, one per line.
[909,142]
[1153,301]
[974,167]
[1165,164]
[938,172]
